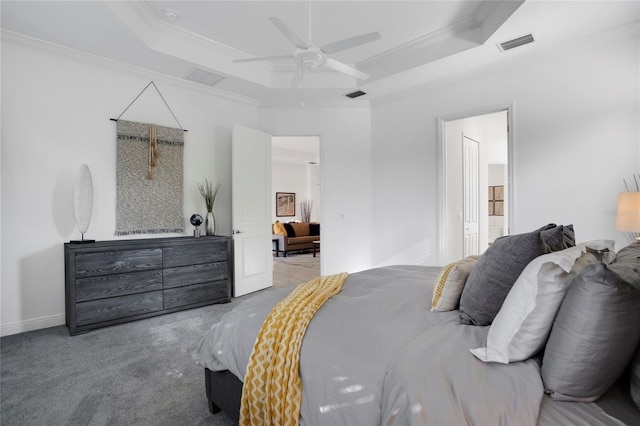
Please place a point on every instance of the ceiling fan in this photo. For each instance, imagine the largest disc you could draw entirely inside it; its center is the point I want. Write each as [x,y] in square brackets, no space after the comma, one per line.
[308,56]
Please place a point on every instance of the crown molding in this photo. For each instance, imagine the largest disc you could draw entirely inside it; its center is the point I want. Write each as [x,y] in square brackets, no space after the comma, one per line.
[81,56]
[346,103]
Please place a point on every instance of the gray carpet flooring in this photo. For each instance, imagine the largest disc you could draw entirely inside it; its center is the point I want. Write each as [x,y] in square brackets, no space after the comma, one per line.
[140,373]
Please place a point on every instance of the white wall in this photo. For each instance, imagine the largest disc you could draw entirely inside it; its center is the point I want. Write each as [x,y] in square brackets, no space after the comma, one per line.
[56,106]
[575,136]
[313,178]
[295,169]
[289,177]
[345,173]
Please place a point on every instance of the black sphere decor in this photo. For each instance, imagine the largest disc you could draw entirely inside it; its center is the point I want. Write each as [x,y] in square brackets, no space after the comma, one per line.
[196,220]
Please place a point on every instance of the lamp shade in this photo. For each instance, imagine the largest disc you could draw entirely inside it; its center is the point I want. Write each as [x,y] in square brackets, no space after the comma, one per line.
[628,217]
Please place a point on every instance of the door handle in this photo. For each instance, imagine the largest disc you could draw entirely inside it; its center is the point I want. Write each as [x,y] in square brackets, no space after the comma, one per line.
[237,231]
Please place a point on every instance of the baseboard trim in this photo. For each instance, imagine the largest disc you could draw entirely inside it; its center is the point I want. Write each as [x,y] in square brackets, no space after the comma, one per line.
[31,325]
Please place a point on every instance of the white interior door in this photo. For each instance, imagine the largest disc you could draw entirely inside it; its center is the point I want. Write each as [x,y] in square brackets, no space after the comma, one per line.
[251,210]
[470,197]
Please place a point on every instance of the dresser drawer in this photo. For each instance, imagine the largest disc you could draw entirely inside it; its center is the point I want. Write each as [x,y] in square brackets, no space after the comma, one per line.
[118,307]
[194,274]
[191,254]
[195,294]
[103,286]
[117,261]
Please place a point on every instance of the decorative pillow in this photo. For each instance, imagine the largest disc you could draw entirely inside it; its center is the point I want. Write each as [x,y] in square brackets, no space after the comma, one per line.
[569,235]
[594,335]
[496,272]
[290,231]
[627,266]
[523,323]
[314,229]
[552,240]
[634,381]
[278,229]
[449,284]
[300,229]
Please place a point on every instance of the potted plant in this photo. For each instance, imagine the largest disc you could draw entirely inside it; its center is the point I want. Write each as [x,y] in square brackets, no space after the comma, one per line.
[305,210]
[209,191]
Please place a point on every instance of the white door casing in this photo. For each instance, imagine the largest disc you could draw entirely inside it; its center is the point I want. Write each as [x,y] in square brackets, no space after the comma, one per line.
[470,179]
[251,210]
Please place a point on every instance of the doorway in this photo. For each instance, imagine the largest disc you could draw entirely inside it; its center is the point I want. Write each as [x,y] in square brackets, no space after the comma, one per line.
[491,194]
[296,170]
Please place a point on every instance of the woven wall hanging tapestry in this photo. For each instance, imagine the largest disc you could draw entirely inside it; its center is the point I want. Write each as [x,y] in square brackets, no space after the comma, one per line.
[149,173]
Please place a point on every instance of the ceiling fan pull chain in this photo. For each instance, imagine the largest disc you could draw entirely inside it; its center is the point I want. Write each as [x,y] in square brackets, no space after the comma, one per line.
[302,86]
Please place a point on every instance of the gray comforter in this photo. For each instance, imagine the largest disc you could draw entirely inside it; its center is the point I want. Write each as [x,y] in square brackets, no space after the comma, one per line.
[375,354]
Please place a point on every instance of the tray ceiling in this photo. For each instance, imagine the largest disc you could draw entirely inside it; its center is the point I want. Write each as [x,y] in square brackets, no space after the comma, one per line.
[422,42]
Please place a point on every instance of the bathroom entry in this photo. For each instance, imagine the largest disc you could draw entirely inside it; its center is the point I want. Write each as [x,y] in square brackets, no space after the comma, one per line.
[460,198]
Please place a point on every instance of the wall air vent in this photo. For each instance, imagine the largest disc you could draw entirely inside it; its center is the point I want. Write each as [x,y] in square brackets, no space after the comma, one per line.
[516,42]
[201,76]
[355,94]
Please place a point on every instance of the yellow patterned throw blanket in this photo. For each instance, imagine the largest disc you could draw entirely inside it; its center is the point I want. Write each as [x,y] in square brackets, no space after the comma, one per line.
[272,390]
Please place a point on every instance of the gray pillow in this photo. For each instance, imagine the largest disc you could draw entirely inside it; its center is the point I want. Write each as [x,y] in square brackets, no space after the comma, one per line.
[627,266]
[634,380]
[553,240]
[569,236]
[496,272]
[593,336]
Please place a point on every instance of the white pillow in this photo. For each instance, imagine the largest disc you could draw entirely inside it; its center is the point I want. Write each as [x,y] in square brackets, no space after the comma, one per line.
[522,326]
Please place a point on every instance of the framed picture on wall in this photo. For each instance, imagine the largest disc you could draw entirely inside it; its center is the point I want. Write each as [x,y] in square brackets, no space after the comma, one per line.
[285,204]
[496,200]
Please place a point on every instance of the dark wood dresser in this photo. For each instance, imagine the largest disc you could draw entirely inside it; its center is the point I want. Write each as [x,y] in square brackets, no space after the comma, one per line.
[111,282]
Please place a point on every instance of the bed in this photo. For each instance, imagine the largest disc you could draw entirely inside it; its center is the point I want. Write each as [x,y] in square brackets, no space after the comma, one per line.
[376,353]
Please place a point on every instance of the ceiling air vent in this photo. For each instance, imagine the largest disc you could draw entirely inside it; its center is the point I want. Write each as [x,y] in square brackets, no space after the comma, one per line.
[204,77]
[355,94]
[516,42]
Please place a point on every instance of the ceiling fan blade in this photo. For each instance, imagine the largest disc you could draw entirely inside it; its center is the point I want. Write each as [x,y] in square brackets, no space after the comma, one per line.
[348,43]
[288,33]
[264,58]
[346,69]
[297,78]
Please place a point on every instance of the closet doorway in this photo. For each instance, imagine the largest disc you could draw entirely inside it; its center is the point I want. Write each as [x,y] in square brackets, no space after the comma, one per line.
[489,191]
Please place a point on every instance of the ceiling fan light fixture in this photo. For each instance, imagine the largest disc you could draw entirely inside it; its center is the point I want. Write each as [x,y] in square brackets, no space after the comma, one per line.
[309,58]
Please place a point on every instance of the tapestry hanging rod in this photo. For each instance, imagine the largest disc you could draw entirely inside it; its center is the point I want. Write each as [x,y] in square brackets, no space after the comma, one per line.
[165,102]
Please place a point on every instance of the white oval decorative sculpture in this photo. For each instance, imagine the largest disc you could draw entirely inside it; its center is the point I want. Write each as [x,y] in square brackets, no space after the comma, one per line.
[83,199]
